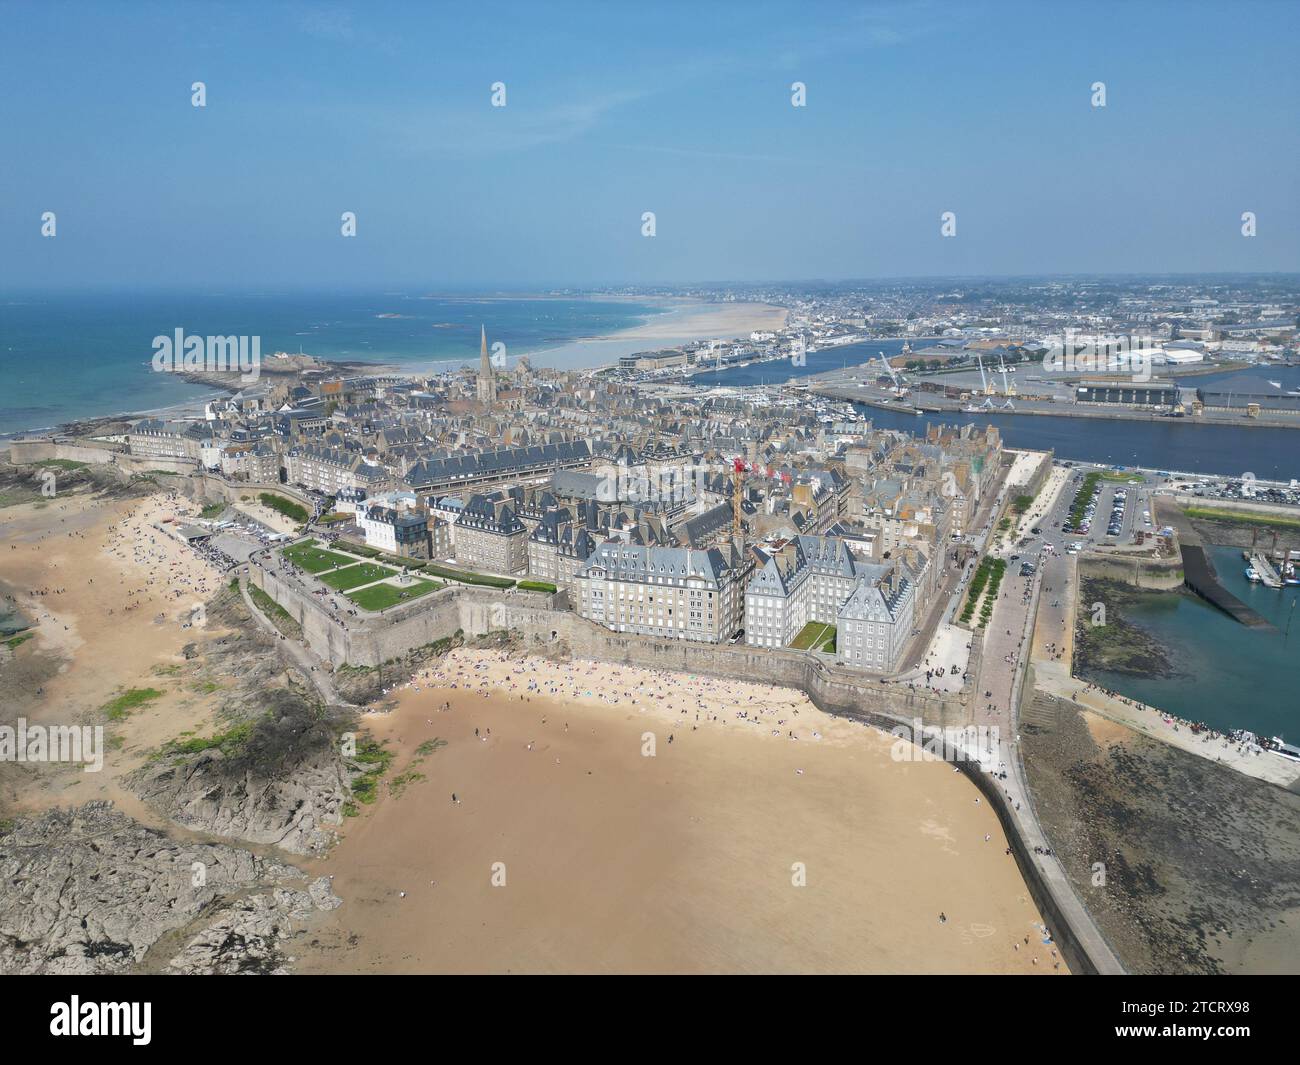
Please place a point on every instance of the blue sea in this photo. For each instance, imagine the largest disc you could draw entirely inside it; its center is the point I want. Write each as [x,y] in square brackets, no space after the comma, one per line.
[68,356]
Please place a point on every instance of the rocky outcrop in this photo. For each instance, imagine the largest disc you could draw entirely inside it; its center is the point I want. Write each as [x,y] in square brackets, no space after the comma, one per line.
[248,937]
[277,774]
[91,890]
[285,785]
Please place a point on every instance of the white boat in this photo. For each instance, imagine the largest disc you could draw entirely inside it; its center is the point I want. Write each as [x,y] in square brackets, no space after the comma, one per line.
[1252,575]
[1286,750]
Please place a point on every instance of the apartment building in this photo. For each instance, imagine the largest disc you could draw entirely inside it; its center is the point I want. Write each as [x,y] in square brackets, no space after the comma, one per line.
[257,462]
[675,592]
[801,579]
[490,536]
[557,548]
[873,626]
[820,578]
[330,470]
[157,439]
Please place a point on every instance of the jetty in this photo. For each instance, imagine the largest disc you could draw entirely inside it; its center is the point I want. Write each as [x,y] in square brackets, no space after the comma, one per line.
[1199,576]
[1263,567]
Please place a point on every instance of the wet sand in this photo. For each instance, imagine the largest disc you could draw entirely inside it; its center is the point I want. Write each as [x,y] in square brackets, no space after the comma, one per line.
[680,862]
[1202,864]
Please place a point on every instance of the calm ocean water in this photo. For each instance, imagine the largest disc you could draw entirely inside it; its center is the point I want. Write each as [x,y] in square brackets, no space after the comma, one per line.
[1228,675]
[75,356]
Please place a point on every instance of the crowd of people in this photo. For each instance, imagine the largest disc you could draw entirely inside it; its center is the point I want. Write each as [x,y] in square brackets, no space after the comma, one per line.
[696,699]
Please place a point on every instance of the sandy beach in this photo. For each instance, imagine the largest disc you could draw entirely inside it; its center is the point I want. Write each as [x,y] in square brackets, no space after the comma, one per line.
[109,596]
[686,322]
[706,321]
[762,835]
[609,860]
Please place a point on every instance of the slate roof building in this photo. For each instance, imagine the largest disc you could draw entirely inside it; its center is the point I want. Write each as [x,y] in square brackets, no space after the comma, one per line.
[673,592]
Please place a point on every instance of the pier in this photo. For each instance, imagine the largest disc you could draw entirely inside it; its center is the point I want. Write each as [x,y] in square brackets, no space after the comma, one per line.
[1200,577]
[1267,574]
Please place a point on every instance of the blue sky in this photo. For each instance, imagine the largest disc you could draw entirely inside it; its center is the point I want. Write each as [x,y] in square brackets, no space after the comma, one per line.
[618,108]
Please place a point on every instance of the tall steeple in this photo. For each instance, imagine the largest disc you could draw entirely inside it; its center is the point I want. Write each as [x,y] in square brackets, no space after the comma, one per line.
[486,385]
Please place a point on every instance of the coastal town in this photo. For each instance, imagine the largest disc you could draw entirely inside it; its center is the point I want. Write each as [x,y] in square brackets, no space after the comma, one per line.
[567,490]
[924,578]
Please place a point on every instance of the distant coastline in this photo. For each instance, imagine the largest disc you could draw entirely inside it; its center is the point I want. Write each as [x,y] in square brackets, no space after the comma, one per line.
[682,319]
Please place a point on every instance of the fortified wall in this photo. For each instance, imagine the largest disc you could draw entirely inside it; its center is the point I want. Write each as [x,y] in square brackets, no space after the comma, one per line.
[477,611]
[1161,574]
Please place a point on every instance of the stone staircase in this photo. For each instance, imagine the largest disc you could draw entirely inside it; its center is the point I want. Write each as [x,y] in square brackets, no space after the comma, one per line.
[1041,712]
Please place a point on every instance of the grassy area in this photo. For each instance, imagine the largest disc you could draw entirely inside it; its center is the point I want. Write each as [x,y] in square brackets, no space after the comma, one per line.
[228,742]
[274,612]
[402,781]
[315,559]
[117,709]
[537,586]
[18,638]
[376,761]
[466,577]
[355,575]
[211,511]
[287,507]
[1242,517]
[60,464]
[330,519]
[382,596]
[815,636]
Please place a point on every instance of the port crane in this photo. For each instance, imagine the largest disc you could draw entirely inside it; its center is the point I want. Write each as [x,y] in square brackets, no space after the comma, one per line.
[898,388]
[985,387]
[1008,389]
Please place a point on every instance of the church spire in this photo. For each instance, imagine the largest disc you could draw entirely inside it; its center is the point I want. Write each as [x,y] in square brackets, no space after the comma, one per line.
[487,385]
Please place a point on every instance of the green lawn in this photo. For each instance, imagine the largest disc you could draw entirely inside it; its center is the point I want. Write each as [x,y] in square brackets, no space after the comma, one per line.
[537,586]
[287,507]
[815,636]
[382,596]
[315,559]
[352,576]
